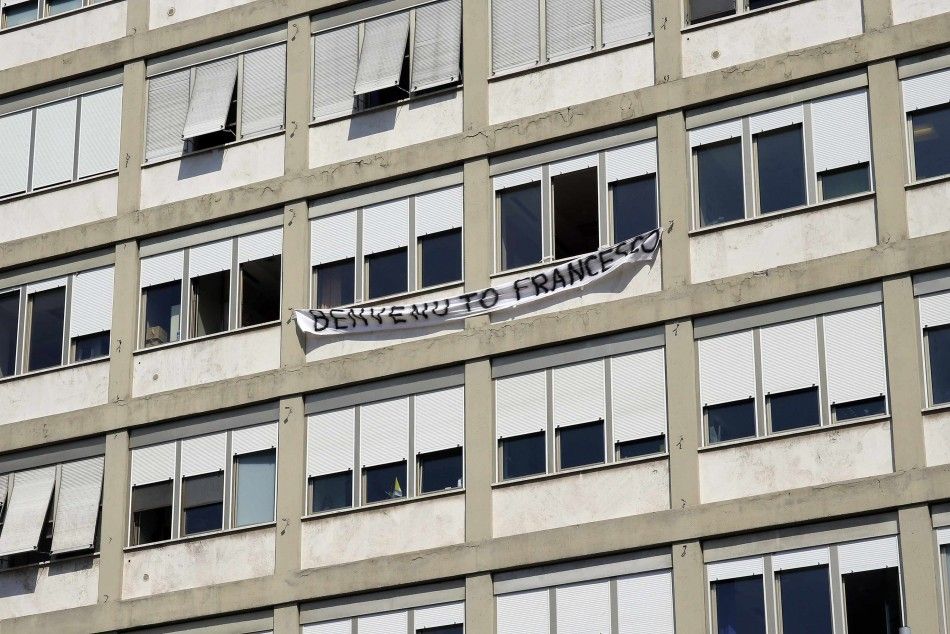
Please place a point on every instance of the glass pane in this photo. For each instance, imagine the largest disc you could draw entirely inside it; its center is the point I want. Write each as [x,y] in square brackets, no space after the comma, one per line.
[873,601]
[634,204]
[61,6]
[845,182]
[202,498]
[806,601]
[47,314]
[260,291]
[254,500]
[793,410]
[20,14]
[641,447]
[576,222]
[441,471]
[441,258]
[781,158]
[445,629]
[210,303]
[931,142]
[523,455]
[92,346]
[153,525]
[731,421]
[702,10]
[760,4]
[581,444]
[938,345]
[9,318]
[860,409]
[335,283]
[721,197]
[740,606]
[202,519]
[386,482]
[388,273]
[162,313]
[520,226]
[333,491]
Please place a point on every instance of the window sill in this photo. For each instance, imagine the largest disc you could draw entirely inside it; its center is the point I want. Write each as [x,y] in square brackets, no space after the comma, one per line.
[179,157]
[57,368]
[382,505]
[217,335]
[824,204]
[924,182]
[199,537]
[524,70]
[65,14]
[689,28]
[412,98]
[50,562]
[566,473]
[795,432]
[939,408]
[60,186]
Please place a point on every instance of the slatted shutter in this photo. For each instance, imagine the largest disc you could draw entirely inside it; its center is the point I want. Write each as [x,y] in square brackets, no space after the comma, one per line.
[583,607]
[573,165]
[934,310]
[160,269]
[386,623]
[925,91]
[523,613]
[727,368]
[91,302]
[625,20]
[167,109]
[16,130]
[385,226]
[439,615]
[335,63]
[77,505]
[569,27]
[943,536]
[343,626]
[384,432]
[54,144]
[715,133]
[330,442]
[645,603]
[333,238]
[45,285]
[4,487]
[841,130]
[262,95]
[868,554]
[631,161]
[382,52]
[789,356]
[439,211]
[213,257]
[515,34]
[854,355]
[521,404]
[438,44]
[735,569]
[260,245]
[99,123]
[203,454]
[516,179]
[579,395]
[26,511]
[439,420]
[253,439]
[210,98]
[804,558]
[638,395]
[155,463]
[777,118]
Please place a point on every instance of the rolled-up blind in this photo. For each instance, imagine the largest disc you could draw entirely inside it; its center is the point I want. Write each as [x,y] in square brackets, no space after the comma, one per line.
[385,226]
[854,355]
[343,626]
[515,34]
[868,554]
[515,179]
[735,569]
[439,615]
[333,238]
[264,87]
[438,44]
[99,119]
[439,211]
[631,161]
[935,309]
[569,27]
[638,395]
[54,143]
[521,404]
[789,356]
[210,98]
[155,463]
[159,269]
[16,130]
[715,133]
[210,258]
[841,130]
[4,483]
[260,245]
[625,20]
[727,368]
[382,52]
[583,607]
[777,118]
[803,558]
[26,511]
[45,285]
[386,623]
[439,420]
[925,91]
[573,165]
[523,612]
[645,603]
[77,505]
[579,395]
[330,442]
[167,109]
[253,439]
[384,432]
[91,302]
[203,454]
[335,63]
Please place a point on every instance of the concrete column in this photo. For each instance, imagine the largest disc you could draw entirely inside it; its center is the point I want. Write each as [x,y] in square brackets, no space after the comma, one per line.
[673,172]
[904,370]
[477,225]
[479,451]
[689,588]
[297,135]
[115,504]
[683,399]
[667,45]
[479,605]
[877,15]
[920,569]
[295,282]
[291,472]
[286,619]
[136,17]
[476,66]
[888,150]
[125,310]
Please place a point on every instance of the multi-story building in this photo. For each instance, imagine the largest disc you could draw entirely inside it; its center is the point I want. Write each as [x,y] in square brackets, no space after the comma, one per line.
[748,434]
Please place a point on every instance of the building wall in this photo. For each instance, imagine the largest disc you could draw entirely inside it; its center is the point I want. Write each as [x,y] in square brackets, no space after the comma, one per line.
[60,208]
[164,12]
[49,587]
[55,392]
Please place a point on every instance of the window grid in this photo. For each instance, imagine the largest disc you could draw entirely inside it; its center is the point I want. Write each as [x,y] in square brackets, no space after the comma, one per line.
[44,10]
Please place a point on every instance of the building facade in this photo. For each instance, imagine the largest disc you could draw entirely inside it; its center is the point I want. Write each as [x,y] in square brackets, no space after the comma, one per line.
[750,433]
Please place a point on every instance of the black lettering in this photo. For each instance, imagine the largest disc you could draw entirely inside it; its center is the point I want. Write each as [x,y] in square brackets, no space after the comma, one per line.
[416,314]
[621,248]
[539,287]
[485,294]
[337,324]
[517,286]
[587,262]
[358,315]
[575,268]
[445,310]
[395,312]
[468,300]
[605,260]
[320,321]
[377,316]
[557,278]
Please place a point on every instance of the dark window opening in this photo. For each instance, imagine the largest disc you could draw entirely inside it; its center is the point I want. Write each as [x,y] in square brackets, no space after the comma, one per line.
[761,4]
[520,226]
[523,455]
[781,169]
[20,14]
[202,503]
[806,601]
[329,492]
[388,273]
[444,629]
[151,513]
[576,216]
[92,346]
[721,195]
[794,410]
[634,205]
[162,313]
[47,320]
[873,601]
[860,409]
[335,284]
[641,447]
[385,482]
[221,137]
[581,444]
[9,321]
[389,95]
[260,291]
[441,255]
[740,606]
[845,181]
[255,482]
[931,132]
[938,347]
[704,10]
[731,421]
[210,300]
[441,470]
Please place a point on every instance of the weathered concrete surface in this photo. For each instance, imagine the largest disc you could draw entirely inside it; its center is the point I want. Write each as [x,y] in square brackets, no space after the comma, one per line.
[927,210]
[49,587]
[61,208]
[164,12]
[937,437]
[63,390]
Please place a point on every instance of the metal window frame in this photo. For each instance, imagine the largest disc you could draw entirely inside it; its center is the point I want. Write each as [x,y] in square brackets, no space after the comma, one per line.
[43,11]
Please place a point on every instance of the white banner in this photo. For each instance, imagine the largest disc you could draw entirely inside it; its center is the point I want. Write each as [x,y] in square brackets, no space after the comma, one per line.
[573,274]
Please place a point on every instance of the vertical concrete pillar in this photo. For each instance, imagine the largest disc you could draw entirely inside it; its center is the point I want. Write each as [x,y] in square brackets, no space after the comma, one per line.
[479,605]
[888,150]
[291,472]
[295,282]
[920,569]
[689,587]
[479,451]
[115,503]
[477,225]
[476,66]
[667,48]
[297,133]
[286,619]
[673,172]
[136,16]
[877,15]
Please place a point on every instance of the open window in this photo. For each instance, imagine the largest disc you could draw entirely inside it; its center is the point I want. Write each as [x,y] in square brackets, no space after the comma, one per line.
[871,582]
[383,73]
[574,196]
[151,513]
[209,270]
[9,327]
[162,308]
[260,291]
[46,314]
[211,119]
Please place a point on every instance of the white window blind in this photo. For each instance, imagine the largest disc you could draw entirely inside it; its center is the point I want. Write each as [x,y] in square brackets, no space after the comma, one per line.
[382,52]
[264,87]
[155,463]
[638,394]
[330,442]
[789,356]
[583,607]
[515,179]
[160,269]
[523,612]
[573,165]
[579,395]
[343,626]
[333,238]
[77,505]
[924,91]
[16,130]
[438,43]
[203,454]
[335,63]
[625,20]
[515,34]
[439,420]
[54,143]
[439,211]
[715,133]
[778,118]
[91,302]
[210,258]
[868,554]
[935,309]
[804,558]
[384,432]
[854,355]
[727,368]
[167,109]
[645,603]
[631,161]
[260,245]
[210,98]
[385,226]
[841,130]
[521,404]
[735,569]
[943,536]
[386,623]
[569,26]
[99,119]
[45,285]
[252,439]
[4,482]
[26,511]
[439,615]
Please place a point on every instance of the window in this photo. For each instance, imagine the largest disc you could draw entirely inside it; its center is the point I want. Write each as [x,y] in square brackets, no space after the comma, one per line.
[860,409]
[739,606]
[151,513]
[21,13]
[91,346]
[641,447]
[731,421]
[581,445]
[575,213]
[794,410]
[202,503]
[162,313]
[444,629]
[873,601]
[930,130]
[938,354]
[255,483]
[523,456]
[441,256]
[61,6]
[520,210]
[704,10]
[634,207]
[440,471]
[845,181]
[384,482]
[330,492]
[334,284]
[47,313]
[209,300]
[721,196]
[781,169]
[804,598]
[387,273]
[9,319]
[260,291]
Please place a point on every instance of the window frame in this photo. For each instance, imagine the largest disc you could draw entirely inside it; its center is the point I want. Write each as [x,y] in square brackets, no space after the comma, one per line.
[928,368]
[742,9]
[912,149]
[235,484]
[757,172]
[43,12]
